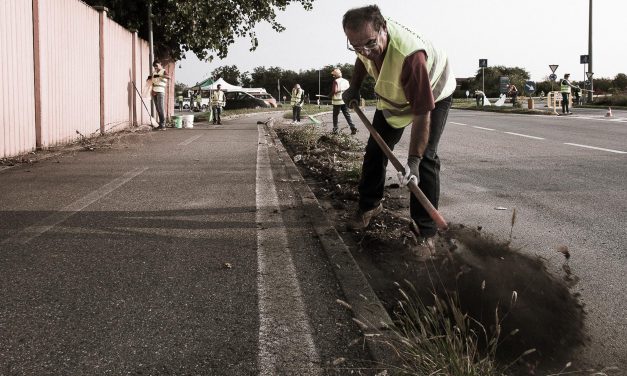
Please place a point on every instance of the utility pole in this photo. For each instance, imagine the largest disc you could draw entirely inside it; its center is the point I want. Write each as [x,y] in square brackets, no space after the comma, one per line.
[318,88]
[151,51]
[590,57]
[150,41]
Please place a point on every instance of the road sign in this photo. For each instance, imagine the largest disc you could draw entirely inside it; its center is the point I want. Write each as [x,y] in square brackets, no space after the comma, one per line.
[467,93]
[584,59]
[503,84]
[483,63]
[530,87]
[553,67]
[589,75]
[553,77]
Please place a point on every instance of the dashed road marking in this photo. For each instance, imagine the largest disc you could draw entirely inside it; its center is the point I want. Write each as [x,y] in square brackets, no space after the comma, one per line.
[484,128]
[596,148]
[452,122]
[524,135]
[189,140]
[31,232]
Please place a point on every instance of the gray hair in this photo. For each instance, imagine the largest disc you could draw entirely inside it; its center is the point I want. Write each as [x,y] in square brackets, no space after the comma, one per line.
[357,17]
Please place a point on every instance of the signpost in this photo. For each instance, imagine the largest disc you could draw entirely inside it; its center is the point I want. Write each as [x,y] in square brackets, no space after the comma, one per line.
[591,92]
[503,84]
[530,87]
[553,76]
[483,63]
[584,59]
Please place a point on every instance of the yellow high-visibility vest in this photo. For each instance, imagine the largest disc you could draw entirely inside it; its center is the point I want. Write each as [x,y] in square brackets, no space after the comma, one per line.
[564,87]
[403,42]
[159,83]
[297,97]
[342,85]
[217,99]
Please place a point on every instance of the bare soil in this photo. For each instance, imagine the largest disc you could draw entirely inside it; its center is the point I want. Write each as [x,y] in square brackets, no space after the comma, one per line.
[494,283]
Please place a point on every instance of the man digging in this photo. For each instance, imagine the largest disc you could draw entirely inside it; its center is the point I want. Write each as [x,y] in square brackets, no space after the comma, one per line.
[414,87]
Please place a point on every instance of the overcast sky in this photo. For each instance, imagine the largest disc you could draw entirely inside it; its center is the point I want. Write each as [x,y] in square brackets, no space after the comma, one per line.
[530,34]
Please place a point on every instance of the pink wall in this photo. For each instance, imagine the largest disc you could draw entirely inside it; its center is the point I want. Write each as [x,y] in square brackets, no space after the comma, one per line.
[50,74]
[70,71]
[118,73]
[17,99]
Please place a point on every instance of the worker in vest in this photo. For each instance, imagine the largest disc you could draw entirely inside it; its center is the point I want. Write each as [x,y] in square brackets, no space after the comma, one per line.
[298,96]
[159,81]
[339,86]
[199,100]
[414,86]
[565,87]
[179,99]
[217,102]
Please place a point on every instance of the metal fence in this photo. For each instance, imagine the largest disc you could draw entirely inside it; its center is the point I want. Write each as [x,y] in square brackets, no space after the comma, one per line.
[67,70]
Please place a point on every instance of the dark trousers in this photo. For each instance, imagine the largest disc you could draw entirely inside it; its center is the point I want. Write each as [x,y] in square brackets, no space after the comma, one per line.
[295,113]
[217,110]
[565,103]
[336,112]
[159,99]
[372,181]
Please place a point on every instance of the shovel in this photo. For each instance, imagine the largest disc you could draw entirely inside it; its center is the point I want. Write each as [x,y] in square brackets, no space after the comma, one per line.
[153,121]
[413,187]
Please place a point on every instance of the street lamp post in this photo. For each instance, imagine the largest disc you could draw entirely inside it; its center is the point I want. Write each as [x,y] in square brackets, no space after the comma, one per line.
[590,57]
[318,88]
[151,52]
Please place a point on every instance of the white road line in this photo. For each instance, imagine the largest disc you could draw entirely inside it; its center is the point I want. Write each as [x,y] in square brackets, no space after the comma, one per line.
[484,128]
[285,338]
[49,222]
[452,122]
[596,148]
[190,140]
[524,135]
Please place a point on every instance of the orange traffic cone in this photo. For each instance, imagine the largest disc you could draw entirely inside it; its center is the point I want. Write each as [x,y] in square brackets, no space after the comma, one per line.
[609,112]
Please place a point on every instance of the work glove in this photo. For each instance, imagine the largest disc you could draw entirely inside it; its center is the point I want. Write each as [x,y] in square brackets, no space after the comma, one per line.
[411,171]
[351,94]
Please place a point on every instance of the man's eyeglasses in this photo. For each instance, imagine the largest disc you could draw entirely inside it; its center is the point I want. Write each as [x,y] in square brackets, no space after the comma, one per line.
[369,46]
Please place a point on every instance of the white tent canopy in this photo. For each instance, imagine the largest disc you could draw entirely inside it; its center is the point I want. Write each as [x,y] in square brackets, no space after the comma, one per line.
[223,84]
[228,87]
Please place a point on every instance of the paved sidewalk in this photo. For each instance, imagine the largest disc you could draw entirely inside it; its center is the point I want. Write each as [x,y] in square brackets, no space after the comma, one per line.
[191,251]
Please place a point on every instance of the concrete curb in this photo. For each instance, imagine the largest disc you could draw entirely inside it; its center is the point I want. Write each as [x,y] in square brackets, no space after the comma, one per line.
[368,312]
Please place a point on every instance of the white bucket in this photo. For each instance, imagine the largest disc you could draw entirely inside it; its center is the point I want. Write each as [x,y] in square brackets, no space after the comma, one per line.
[188,121]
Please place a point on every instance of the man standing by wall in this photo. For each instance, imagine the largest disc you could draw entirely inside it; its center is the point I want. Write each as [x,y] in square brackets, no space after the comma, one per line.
[217,102]
[414,86]
[339,86]
[297,102]
[159,79]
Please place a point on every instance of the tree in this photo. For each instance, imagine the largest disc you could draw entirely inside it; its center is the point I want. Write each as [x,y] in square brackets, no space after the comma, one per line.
[245,80]
[517,76]
[229,73]
[203,27]
[620,82]
[180,87]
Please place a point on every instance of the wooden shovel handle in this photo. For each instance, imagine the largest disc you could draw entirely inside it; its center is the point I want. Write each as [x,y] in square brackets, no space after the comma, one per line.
[413,187]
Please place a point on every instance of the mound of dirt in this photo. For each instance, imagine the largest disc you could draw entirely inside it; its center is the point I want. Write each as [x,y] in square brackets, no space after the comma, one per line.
[499,287]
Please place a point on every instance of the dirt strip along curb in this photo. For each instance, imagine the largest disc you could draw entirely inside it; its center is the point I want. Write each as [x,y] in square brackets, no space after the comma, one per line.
[365,305]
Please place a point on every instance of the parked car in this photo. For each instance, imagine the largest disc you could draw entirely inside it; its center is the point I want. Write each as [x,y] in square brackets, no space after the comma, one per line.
[269,99]
[240,99]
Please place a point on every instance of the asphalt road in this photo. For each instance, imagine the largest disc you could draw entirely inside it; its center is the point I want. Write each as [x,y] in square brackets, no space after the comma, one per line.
[177,252]
[567,179]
